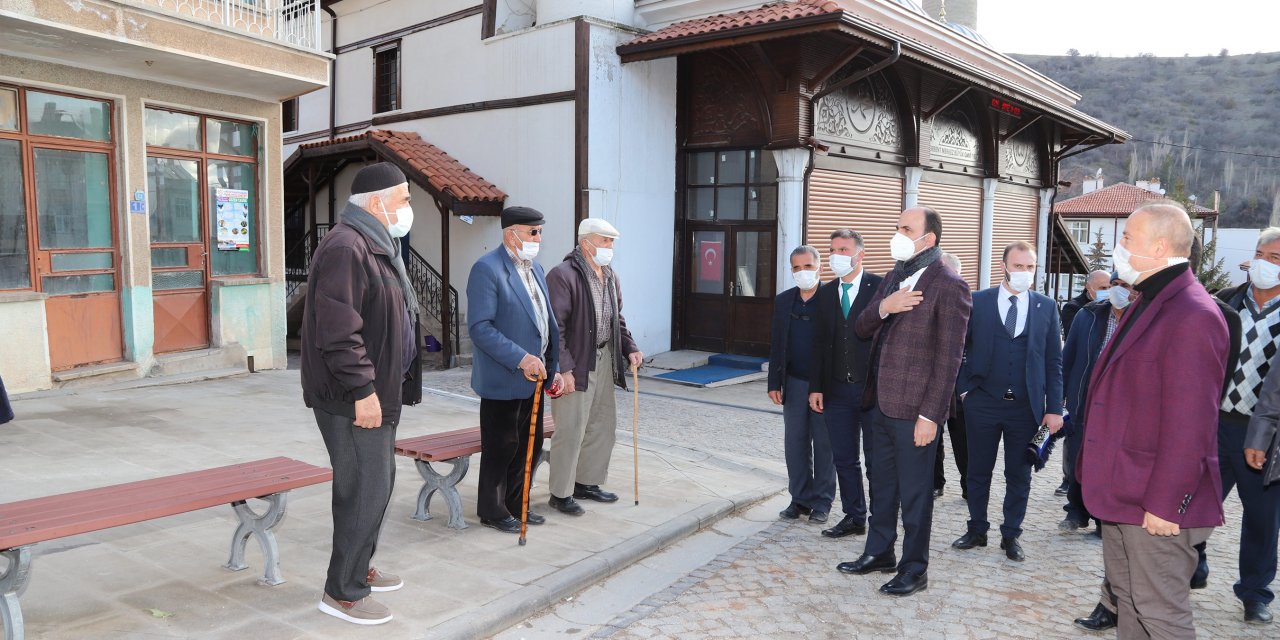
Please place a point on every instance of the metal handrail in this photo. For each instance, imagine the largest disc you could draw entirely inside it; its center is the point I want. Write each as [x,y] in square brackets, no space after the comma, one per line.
[291,22]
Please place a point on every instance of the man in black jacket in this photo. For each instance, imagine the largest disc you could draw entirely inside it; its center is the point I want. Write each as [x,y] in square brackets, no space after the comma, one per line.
[360,363]
[841,361]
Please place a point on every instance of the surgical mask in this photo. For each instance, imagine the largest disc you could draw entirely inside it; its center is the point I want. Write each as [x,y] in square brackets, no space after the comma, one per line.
[1101,295]
[1119,297]
[1020,281]
[806,280]
[1263,274]
[404,220]
[1128,272]
[902,248]
[842,265]
[528,250]
[603,256]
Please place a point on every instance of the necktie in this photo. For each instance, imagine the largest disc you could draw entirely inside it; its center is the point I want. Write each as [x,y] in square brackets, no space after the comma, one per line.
[845,302]
[1011,318]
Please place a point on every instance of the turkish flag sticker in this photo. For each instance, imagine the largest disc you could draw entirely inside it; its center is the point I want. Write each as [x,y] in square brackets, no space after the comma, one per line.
[711,260]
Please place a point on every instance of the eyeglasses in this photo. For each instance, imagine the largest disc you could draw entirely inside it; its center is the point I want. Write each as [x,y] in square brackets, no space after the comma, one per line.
[533,232]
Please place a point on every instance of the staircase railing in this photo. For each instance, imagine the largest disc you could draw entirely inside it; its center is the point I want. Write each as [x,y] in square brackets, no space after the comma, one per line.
[297,261]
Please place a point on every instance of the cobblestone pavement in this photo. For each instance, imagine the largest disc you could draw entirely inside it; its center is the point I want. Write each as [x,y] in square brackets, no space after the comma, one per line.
[783,581]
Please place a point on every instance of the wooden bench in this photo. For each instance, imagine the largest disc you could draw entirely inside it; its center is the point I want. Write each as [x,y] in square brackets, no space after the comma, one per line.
[456,448]
[25,523]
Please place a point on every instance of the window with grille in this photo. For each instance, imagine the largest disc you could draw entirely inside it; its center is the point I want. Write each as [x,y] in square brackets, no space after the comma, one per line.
[386,78]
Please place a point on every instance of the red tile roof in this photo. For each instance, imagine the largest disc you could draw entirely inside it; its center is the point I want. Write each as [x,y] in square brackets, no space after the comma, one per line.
[775,12]
[1119,199]
[442,172]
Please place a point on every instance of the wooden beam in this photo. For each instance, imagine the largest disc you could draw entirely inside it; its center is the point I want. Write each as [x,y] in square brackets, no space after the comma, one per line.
[950,101]
[824,75]
[780,80]
[1020,128]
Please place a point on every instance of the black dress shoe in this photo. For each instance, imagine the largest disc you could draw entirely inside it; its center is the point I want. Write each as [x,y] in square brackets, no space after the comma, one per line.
[970,540]
[505,525]
[818,517]
[593,492]
[536,519]
[937,493]
[1012,550]
[567,506]
[1200,579]
[1099,620]
[1062,488]
[905,584]
[1256,613]
[846,527]
[792,512]
[869,564]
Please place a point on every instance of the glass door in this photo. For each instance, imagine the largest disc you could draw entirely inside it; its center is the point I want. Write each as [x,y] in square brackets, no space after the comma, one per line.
[178,255]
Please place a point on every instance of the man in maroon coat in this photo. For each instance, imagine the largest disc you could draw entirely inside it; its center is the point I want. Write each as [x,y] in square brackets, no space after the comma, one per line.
[1149,462]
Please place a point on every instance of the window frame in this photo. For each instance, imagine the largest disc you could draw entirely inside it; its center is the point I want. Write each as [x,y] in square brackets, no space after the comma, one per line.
[749,182]
[289,112]
[386,47]
[39,261]
[1074,225]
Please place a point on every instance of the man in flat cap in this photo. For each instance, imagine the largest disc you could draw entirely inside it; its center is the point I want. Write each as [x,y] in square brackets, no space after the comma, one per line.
[595,349]
[517,342]
[360,363]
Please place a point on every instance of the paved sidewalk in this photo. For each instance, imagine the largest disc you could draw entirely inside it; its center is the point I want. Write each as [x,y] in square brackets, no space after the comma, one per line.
[164,578]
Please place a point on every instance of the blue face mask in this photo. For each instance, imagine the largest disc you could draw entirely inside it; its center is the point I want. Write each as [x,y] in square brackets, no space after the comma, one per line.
[1102,295]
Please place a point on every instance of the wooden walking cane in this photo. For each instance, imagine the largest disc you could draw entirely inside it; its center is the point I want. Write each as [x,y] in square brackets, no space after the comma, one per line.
[635,425]
[528,460]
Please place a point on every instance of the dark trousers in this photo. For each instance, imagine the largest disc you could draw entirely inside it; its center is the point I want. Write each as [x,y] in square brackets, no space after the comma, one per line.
[959,450]
[1261,524]
[504,443]
[991,420]
[811,477]
[364,471]
[847,427]
[896,481]
[1075,493]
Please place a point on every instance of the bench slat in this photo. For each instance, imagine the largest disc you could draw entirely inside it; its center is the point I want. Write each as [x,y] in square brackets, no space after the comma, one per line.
[448,445]
[150,499]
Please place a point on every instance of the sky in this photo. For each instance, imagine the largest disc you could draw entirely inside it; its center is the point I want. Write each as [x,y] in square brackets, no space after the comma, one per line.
[1130,27]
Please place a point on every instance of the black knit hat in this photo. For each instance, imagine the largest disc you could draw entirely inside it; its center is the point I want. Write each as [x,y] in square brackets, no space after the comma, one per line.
[521,215]
[377,177]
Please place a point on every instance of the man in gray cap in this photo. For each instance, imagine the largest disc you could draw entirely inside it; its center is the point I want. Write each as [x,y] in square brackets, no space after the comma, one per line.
[595,349]
[517,342]
[360,363]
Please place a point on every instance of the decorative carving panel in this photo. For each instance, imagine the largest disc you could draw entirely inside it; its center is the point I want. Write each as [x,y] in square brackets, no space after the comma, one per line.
[955,137]
[863,114]
[1020,157]
[723,106]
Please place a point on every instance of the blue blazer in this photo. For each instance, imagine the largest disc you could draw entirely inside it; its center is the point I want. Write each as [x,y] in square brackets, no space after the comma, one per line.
[1044,349]
[504,328]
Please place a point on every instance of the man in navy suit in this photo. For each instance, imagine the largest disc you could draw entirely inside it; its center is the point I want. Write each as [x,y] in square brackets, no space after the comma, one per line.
[517,341]
[1010,384]
[841,360]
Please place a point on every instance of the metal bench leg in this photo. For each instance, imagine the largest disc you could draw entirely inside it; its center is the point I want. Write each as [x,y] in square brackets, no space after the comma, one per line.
[544,456]
[260,527]
[12,583]
[447,485]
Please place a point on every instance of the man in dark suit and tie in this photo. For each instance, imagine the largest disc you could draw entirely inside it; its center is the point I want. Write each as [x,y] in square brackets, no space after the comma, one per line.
[840,359]
[917,321]
[1010,383]
[1148,466]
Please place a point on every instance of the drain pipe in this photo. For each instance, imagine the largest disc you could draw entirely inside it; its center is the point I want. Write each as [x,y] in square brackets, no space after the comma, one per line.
[333,73]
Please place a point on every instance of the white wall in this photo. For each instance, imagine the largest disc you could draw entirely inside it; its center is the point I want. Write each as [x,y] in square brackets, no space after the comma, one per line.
[631,174]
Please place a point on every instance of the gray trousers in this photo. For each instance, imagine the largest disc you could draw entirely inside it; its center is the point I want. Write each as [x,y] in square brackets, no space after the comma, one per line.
[811,475]
[586,427]
[364,471]
[1151,578]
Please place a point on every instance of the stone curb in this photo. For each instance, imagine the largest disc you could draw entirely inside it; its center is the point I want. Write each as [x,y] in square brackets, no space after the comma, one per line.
[500,614]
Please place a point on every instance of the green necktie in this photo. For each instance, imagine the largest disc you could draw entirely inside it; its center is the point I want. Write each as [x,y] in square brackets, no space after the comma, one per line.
[845,302]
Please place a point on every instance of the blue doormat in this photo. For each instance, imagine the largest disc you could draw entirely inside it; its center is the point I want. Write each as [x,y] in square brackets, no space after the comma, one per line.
[751,363]
[706,374]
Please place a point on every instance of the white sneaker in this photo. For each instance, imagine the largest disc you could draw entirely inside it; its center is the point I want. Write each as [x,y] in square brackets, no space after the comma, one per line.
[363,611]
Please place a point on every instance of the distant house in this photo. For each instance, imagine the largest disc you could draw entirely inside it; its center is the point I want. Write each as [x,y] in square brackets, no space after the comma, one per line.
[1105,209]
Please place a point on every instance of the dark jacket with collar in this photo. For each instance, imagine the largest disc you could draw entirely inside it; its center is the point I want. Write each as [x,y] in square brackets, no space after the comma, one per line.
[575,312]
[1263,434]
[1044,348]
[353,328]
[831,321]
[1084,345]
[779,344]
[6,410]
[1072,307]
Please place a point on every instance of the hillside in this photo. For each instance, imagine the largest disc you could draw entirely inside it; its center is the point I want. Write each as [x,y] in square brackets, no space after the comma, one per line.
[1219,102]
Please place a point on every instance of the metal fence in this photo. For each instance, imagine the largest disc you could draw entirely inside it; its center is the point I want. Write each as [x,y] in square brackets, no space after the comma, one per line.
[291,22]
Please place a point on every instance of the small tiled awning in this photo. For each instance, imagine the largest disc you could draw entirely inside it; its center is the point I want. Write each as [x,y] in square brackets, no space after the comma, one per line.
[1064,253]
[1117,201]
[451,183]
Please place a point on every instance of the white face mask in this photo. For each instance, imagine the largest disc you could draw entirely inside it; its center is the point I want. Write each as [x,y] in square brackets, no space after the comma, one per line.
[902,248]
[1128,272]
[1263,274]
[1119,297]
[806,280]
[528,250]
[842,265]
[404,220]
[1020,281]
[1101,295]
[603,256]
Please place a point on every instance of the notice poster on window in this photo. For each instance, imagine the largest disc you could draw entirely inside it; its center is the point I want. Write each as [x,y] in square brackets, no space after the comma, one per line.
[233,219]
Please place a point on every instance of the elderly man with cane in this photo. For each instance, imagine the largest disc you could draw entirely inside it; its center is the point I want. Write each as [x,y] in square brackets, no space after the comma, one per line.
[595,350]
[516,341]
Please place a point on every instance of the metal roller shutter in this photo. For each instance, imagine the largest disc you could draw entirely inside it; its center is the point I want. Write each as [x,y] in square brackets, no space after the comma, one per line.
[1015,218]
[961,211]
[867,204]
